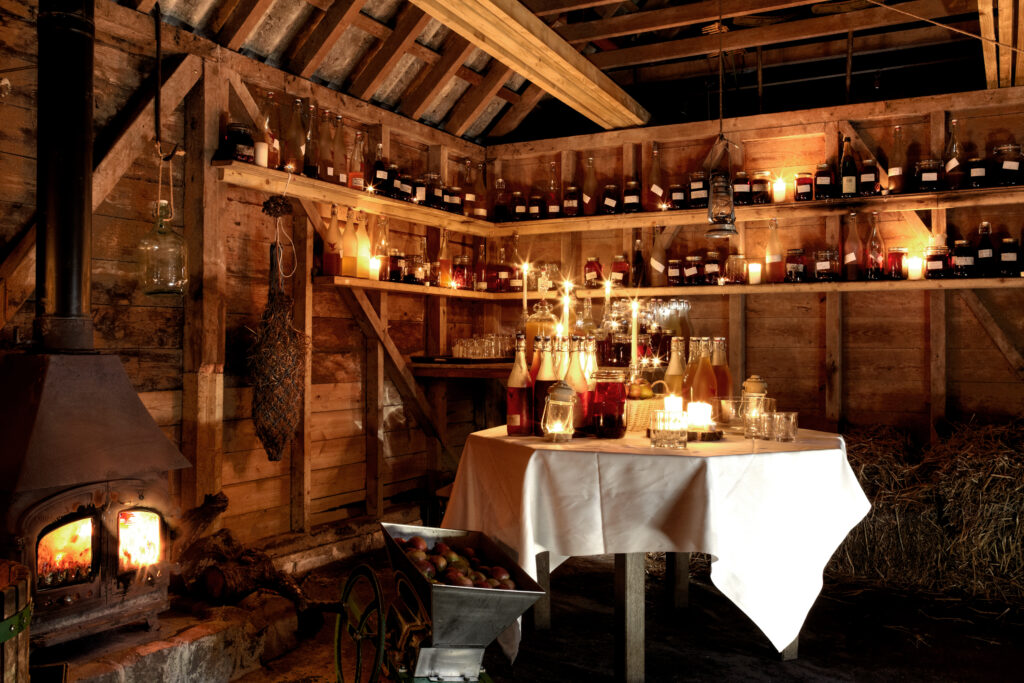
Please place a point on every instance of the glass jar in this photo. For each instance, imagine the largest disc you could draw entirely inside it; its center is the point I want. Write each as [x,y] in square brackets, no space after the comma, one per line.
[610,200]
[395,182]
[761,188]
[1007,164]
[867,185]
[896,263]
[676,197]
[163,257]
[518,206]
[608,409]
[631,198]
[977,172]
[826,265]
[698,190]
[928,172]
[571,201]
[396,266]
[824,182]
[536,209]
[454,202]
[620,271]
[435,191]
[675,272]
[406,186]
[419,191]
[736,269]
[963,259]
[462,273]
[712,267]
[796,268]
[804,188]
[593,278]
[741,189]
[693,270]
[1009,258]
[238,143]
[415,270]
[936,262]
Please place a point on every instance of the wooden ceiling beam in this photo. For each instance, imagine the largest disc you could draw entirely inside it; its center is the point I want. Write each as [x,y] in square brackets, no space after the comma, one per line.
[381,31]
[456,50]
[1004,15]
[144,6]
[544,8]
[1018,69]
[986,19]
[311,54]
[473,102]
[510,33]
[242,22]
[511,119]
[803,29]
[670,17]
[411,21]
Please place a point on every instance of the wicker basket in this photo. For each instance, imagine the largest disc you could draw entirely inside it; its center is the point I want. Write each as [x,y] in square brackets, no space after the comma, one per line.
[639,410]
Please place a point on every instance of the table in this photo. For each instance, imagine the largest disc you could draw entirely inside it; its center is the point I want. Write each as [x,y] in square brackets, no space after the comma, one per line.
[770,514]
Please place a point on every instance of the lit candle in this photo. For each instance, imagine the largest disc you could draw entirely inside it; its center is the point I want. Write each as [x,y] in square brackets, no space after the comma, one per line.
[635,325]
[607,296]
[566,302]
[374,268]
[699,415]
[674,404]
[779,190]
[915,268]
[526,271]
[754,273]
[558,330]
[721,281]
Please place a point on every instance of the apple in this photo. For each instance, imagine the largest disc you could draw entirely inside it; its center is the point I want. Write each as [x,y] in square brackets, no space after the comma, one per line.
[425,568]
[494,583]
[508,584]
[417,543]
[468,552]
[416,555]
[439,562]
[451,556]
[500,573]
[441,548]
[482,583]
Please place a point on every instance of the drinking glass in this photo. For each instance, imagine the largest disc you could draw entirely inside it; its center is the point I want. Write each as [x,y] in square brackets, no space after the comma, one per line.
[785,426]
[754,423]
[730,414]
[668,430]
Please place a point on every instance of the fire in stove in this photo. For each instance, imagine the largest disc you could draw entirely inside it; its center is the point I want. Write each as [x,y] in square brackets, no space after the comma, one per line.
[138,534]
[64,555]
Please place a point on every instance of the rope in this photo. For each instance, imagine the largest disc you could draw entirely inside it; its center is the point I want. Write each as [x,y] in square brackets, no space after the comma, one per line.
[291,242]
[721,70]
[879,3]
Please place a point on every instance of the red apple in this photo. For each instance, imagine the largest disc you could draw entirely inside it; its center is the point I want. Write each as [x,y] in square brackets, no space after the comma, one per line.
[424,568]
[482,583]
[494,583]
[508,584]
[469,552]
[417,542]
[416,555]
[439,562]
[441,548]
[499,573]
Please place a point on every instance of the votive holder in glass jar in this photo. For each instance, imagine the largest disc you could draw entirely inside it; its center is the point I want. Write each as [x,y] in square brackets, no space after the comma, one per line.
[668,429]
[784,426]
[758,414]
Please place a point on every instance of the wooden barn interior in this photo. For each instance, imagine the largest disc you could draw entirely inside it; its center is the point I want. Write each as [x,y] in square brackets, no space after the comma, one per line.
[296,396]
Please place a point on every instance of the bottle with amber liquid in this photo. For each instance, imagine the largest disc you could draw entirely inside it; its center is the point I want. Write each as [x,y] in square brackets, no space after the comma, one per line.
[480,211]
[774,266]
[332,245]
[553,196]
[480,272]
[575,378]
[325,161]
[357,163]
[720,365]
[295,139]
[676,370]
[545,378]
[874,252]
[350,247]
[654,197]
[704,387]
[986,264]
[693,359]
[341,152]
[379,181]
[897,163]
[515,268]
[590,198]
[953,158]
[853,248]
[848,171]
[469,199]
[519,394]
[311,159]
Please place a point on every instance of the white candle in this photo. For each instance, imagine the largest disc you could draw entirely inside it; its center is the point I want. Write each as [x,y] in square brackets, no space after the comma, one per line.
[558,329]
[566,302]
[915,268]
[699,414]
[754,273]
[779,190]
[374,268]
[674,404]
[607,297]
[635,326]
[526,271]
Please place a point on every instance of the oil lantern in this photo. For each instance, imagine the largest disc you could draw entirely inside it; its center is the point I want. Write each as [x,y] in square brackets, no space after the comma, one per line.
[557,418]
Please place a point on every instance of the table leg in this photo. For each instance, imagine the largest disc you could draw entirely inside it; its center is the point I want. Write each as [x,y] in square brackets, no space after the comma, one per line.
[542,608]
[790,653]
[677,571]
[629,617]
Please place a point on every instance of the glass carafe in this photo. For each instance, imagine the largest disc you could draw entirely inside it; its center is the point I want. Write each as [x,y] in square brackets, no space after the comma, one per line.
[541,323]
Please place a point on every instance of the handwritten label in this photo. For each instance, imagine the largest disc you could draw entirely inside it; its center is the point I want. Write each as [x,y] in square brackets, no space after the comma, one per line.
[772,258]
[951,164]
[678,196]
[608,201]
[421,194]
[697,185]
[586,198]
[698,194]
[1008,256]
[616,277]
[660,267]
[823,180]
[822,265]
[978,172]
[850,257]
[673,272]
[656,189]
[382,175]
[470,197]
[935,265]
[744,187]
[711,268]
[895,171]
[963,260]
[592,275]
[984,253]
[631,199]
[482,213]
[929,177]
[1011,165]
[867,177]
[689,272]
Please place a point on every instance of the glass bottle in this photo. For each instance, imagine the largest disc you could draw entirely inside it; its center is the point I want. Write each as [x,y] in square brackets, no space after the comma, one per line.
[272,130]
[585,325]
[720,366]
[357,163]
[953,158]
[332,245]
[986,264]
[163,261]
[775,269]
[515,268]
[480,272]
[874,252]
[379,180]
[704,387]
[500,211]
[380,249]
[853,249]
[590,197]
[654,198]
[480,211]
[517,207]
[537,345]
[341,152]
[1009,258]
[311,159]
[575,378]
[394,182]
[363,247]
[503,273]
[349,247]
[897,163]
[693,358]
[444,261]
[848,171]
[675,371]
[519,394]
[545,378]
[469,182]
[553,198]
[295,139]
[638,273]
[325,159]
[560,356]
[541,323]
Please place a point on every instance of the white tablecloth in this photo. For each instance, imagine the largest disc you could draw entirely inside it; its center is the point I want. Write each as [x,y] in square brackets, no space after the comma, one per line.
[770,513]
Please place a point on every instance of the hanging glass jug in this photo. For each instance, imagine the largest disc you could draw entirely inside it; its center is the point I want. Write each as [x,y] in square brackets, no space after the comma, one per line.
[162,259]
[721,210]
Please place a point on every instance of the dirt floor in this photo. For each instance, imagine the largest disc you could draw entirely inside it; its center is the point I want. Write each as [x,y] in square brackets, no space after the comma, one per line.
[851,634]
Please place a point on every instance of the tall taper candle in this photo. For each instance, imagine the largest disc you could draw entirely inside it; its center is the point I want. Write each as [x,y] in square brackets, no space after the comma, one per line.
[635,326]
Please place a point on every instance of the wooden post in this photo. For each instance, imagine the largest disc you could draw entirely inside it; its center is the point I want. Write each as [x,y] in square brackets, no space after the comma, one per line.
[542,608]
[375,416]
[202,420]
[677,571]
[833,337]
[15,597]
[937,358]
[437,160]
[302,293]
[629,617]
[737,341]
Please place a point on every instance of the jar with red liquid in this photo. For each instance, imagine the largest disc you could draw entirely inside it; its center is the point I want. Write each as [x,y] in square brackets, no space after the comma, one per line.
[936,262]
[462,273]
[517,206]
[631,198]
[712,267]
[620,271]
[698,190]
[608,409]
[593,278]
[693,270]
[396,266]
[676,197]
[741,189]
[867,183]
[824,182]
[796,268]
[536,208]
[804,189]
[675,272]
[896,263]
[761,188]
[571,202]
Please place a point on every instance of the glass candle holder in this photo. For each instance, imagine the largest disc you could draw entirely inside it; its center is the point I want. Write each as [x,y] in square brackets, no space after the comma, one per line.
[784,426]
[668,429]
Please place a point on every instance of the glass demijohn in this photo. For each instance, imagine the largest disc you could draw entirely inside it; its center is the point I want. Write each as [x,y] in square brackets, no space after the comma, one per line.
[164,264]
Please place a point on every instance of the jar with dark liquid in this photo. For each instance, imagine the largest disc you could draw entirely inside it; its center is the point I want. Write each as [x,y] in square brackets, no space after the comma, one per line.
[929,172]
[977,172]
[804,187]
[698,190]
[826,265]
[1009,258]
[712,267]
[936,262]
[610,200]
[867,184]
[571,202]
[675,272]
[631,198]
[796,268]
[963,259]
[395,182]
[406,186]
[1007,164]
[608,408]
[592,276]
[676,197]
[461,273]
[824,182]
[620,271]
[741,189]
[419,191]
[693,270]
[536,208]
[761,188]
[896,263]
[517,206]
[238,144]
[454,201]
[396,266]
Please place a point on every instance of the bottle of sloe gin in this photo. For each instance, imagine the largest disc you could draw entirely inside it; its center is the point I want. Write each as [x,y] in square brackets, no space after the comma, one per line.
[519,398]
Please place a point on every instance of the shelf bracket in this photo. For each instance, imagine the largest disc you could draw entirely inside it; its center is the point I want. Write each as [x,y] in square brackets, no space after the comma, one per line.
[999,336]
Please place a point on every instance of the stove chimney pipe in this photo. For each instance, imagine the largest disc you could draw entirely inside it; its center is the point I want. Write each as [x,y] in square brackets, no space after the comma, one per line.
[64,175]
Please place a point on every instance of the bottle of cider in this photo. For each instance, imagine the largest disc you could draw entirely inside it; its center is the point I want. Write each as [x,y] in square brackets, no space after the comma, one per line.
[848,170]
[545,378]
[519,395]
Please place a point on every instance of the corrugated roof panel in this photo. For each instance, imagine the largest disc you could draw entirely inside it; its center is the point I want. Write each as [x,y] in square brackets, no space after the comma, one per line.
[381,10]
[444,101]
[192,12]
[398,80]
[477,60]
[278,27]
[515,82]
[345,55]
[433,34]
[480,125]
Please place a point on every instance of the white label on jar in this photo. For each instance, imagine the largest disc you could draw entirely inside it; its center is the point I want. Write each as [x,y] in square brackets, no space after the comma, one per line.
[711,268]
[963,260]
[978,172]
[697,185]
[455,199]
[520,209]
[935,265]
[513,420]
[330,170]
[822,265]
[277,145]
[616,277]
[867,177]
[895,171]
[586,198]
[849,184]
[535,209]
[678,196]
[406,188]
[470,197]
[481,286]
[673,272]
[515,283]
[656,189]
[553,208]
[592,275]
[421,194]
[343,178]
[689,272]
[480,212]
[850,258]
[984,253]
[382,175]
[745,187]
[698,194]
[823,180]
[445,199]
[631,199]
[1008,256]
[951,164]
[772,258]
[571,203]
[397,183]
[357,181]
[503,275]
[438,193]
[929,177]
[1011,165]
[658,265]
[608,201]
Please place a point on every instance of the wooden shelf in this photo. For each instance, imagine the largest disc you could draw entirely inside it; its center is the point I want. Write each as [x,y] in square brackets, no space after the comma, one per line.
[470,371]
[400,288]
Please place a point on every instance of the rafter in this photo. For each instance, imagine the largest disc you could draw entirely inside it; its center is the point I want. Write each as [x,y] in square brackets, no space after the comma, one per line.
[473,102]
[988,50]
[509,32]
[511,119]
[242,22]
[411,21]
[310,55]
[1004,10]
[803,29]
[421,95]
[543,8]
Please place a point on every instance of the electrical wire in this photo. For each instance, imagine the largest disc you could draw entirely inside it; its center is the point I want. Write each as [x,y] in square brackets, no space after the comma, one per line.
[879,3]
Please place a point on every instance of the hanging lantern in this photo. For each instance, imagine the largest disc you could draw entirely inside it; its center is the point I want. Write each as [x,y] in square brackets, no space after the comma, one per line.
[162,256]
[556,420]
[721,210]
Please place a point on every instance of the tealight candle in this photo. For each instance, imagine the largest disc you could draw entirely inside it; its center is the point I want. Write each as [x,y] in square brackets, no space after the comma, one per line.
[754,273]
[915,268]
[374,268]
[699,415]
[779,190]
[674,404]
[558,329]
